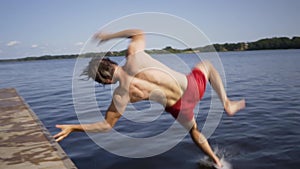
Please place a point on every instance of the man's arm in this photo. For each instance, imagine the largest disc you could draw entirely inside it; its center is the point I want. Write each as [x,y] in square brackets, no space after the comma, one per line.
[137,43]
[112,116]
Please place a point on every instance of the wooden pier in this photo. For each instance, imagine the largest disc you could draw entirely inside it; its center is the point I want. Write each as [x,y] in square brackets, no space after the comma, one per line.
[24,141]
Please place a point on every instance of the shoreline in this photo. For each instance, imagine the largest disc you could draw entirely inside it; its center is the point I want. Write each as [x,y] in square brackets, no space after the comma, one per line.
[280,43]
[75,56]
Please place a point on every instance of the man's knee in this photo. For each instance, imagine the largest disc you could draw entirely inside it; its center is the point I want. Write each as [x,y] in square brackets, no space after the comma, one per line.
[205,67]
[194,128]
[206,63]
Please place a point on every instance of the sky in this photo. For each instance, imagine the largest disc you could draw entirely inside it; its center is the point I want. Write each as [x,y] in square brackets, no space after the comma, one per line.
[53,27]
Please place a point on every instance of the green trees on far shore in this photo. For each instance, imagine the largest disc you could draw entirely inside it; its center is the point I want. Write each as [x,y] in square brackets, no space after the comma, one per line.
[262,44]
[275,43]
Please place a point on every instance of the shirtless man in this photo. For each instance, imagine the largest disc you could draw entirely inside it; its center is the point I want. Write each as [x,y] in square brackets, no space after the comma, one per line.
[144,78]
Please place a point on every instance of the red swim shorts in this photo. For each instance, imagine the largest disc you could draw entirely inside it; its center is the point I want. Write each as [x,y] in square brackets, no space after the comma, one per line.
[183,109]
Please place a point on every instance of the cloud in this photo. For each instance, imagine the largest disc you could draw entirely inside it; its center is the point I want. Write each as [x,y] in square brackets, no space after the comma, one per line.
[79,44]
[13,43]
[34,46]
[1,51]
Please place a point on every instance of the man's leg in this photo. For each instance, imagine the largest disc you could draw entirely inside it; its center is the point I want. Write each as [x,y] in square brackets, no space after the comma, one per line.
[200,140]
[212,75]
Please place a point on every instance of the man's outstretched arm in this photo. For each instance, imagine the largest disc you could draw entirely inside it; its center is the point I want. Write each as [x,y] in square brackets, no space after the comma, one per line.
[66,129]
[137,39]
[112,116]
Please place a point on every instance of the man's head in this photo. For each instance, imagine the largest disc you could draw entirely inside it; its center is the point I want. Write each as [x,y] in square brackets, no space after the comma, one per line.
[101,70]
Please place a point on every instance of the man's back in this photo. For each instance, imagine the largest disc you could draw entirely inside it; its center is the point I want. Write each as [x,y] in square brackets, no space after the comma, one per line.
[166,81]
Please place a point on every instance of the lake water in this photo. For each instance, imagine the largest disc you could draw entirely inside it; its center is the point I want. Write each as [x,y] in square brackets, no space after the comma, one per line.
[265,135]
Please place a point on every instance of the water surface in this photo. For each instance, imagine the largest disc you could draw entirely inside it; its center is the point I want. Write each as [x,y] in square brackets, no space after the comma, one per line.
[264,135]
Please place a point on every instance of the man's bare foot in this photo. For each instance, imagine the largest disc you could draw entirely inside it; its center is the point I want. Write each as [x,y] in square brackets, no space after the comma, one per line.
[218,164]
[231,107]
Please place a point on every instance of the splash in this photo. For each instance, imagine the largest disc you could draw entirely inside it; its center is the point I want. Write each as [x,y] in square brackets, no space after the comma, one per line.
[207,163]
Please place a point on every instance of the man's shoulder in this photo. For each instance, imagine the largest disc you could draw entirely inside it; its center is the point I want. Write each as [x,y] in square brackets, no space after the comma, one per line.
[119,91]
[120,96]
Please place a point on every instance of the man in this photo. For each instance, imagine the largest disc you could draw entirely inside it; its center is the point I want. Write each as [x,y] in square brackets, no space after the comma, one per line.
[144,78]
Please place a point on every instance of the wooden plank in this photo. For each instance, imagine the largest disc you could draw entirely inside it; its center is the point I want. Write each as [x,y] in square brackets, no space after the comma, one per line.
[24,141]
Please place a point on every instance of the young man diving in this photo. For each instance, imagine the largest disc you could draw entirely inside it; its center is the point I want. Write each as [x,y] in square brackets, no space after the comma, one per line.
[144,78]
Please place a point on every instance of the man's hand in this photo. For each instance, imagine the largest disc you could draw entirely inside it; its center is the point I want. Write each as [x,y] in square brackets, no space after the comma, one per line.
[101,37]
[65,131]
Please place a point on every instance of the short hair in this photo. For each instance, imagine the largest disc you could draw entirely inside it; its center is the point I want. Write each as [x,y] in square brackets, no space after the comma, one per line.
[100,69]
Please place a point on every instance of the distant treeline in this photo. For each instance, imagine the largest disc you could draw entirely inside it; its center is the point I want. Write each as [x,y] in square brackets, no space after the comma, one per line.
[262,44]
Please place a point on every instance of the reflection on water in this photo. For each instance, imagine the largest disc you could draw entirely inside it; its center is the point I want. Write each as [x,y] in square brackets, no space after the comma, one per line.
[264,135]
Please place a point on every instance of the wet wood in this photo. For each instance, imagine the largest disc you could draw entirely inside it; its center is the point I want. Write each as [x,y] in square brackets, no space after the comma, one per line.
[24,142]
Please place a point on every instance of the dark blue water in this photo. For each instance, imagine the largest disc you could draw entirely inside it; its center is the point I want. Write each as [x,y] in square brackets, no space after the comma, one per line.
[264,135]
